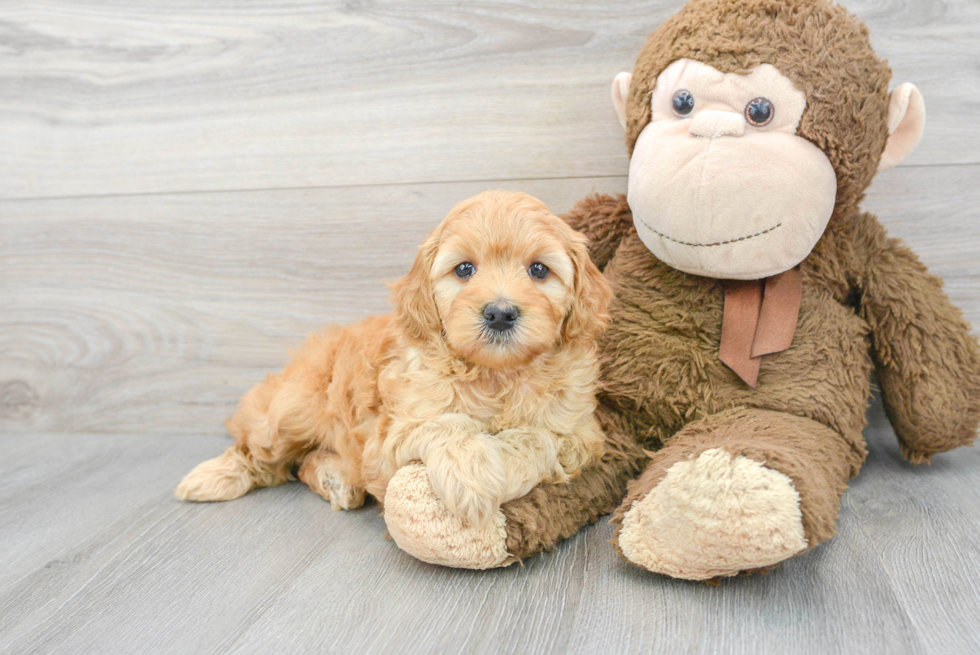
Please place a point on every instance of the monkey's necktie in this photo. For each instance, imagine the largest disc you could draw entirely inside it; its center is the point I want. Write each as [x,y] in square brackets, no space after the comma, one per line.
[759,319]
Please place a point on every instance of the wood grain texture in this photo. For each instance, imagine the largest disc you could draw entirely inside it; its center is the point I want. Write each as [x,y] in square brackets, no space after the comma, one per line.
[188,188]
[101,562]
[155,314]
[101,97]
[923,523]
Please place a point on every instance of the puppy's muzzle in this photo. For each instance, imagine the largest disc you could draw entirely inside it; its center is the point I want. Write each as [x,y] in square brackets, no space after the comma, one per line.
[500,317]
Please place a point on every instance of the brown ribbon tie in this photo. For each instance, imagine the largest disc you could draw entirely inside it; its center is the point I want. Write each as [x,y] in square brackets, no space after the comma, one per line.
[760,319]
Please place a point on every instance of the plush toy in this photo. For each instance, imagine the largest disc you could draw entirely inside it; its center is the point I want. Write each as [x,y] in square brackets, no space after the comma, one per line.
[753,301]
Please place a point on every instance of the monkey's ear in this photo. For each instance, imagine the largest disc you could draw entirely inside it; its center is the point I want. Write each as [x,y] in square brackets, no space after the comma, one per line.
[906,120]
[621,91]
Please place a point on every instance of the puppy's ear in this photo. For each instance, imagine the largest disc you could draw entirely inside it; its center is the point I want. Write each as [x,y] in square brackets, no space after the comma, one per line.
[415,306]
[589,314]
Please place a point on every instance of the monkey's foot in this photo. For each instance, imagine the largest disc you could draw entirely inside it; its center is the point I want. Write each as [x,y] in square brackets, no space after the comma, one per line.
[712,516]
[421,525]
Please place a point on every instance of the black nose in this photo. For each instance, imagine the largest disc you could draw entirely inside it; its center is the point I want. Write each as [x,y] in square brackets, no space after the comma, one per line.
[500,317]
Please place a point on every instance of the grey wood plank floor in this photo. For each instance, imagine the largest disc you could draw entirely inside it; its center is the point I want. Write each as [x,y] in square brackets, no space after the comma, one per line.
[187,188]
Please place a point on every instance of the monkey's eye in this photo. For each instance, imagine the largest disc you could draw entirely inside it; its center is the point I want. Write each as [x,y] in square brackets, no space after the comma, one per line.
[538,270]
[464,270]
[683,102]
[759,112]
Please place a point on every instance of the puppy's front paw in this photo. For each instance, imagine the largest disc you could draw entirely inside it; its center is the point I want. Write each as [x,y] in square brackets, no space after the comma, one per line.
[469,478]
[421,525]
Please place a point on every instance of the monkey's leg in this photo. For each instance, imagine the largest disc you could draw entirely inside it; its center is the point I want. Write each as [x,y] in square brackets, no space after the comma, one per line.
[422,527]
[736,491]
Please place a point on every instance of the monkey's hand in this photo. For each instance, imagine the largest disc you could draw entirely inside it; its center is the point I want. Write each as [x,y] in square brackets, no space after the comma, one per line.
[420,524]
[927,362]
[605,220]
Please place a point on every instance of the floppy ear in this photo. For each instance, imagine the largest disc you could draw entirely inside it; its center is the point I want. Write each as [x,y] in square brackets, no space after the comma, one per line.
[415,306]
[589,314]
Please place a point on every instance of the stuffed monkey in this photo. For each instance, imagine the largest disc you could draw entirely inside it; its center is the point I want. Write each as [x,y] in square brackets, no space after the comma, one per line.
[753,301]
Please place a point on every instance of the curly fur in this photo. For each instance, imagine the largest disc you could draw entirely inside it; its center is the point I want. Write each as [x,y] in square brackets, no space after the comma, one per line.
[868,304]
[490,418]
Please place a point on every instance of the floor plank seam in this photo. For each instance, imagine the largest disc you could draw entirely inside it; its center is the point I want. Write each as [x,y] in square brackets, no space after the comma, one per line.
[269,600]
[327,187]
[891,582]
[40,631]
[323,187]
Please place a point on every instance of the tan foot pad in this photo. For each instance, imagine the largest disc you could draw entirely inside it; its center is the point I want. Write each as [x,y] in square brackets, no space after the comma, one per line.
[422,526]
[714,516]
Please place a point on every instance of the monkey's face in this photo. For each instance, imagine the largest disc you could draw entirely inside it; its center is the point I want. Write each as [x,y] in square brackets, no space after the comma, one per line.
[720,184]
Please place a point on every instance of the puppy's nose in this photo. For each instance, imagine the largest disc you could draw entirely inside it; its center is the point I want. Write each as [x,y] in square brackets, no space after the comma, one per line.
[500,317]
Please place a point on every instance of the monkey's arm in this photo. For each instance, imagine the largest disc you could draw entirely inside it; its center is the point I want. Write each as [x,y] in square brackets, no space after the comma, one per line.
[420,525]
[605,220]
[927,362]
[552,512]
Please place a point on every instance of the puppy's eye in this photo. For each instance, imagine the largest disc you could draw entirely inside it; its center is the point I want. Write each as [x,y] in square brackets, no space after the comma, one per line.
[683,103]
[464,270]
[759,112]
[538,270]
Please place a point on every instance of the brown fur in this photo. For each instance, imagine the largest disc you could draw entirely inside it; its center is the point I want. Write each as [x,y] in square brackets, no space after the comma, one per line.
[815,458]
[810,41]
[868,303]
[490,419]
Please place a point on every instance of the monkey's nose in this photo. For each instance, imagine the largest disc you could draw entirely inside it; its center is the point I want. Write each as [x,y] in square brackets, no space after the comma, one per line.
[500,317]
[711,123]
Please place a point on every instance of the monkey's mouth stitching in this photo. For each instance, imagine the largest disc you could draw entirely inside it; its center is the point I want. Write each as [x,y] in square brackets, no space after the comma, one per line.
[710,245]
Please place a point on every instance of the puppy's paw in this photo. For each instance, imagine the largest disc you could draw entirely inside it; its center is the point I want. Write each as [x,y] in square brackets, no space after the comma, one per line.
[421,525]
[223,478]
[469,477]
[322,473]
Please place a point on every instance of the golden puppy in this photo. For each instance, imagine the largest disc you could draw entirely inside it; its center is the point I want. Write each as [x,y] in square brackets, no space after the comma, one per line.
[486,373]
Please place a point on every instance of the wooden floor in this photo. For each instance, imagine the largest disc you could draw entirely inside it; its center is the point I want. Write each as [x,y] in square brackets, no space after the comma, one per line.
[188,187]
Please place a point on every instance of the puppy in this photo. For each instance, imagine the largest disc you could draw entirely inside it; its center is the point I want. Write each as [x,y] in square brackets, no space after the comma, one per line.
[486,373]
